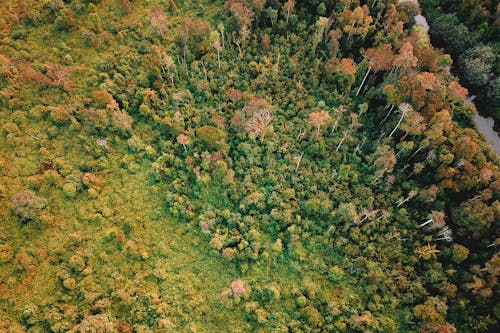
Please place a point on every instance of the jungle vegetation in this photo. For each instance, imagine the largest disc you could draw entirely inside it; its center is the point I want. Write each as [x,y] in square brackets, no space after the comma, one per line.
[239,166]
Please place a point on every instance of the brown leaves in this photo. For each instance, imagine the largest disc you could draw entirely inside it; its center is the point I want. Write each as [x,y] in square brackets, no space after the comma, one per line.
[345,66]
[235,95]
[429,81]
[288,7]
[318,119]
[457,92]
[6,67]
[183,139]
[381,57]
[29,74]
[92,181]
[466,147]
[413,123]
[405,58]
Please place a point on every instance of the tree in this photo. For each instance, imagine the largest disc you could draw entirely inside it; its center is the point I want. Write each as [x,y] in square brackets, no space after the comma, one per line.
[357,21]
[410,196]
[459,253]
[381,59]
[59,75]
[432,315]
[27,206]
[405,58]
[183,139]
[346,70]
[318,119]
[429,81]
[457,92]
[334,40]
[288,7]
[476,65]
[321,25]
[384,159]
[238,288]
[466,147]
[243,14]
[393,96]
[447,31]
[210,136]
[428,252]
[345,135]
[160,21]
[474,215]
[440,124]
[195,37]
[260,115]
[413,123]
[404,108]
[218,48]
[436,219]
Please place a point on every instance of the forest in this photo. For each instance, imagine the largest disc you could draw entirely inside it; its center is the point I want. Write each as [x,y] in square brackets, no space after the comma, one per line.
[248,166]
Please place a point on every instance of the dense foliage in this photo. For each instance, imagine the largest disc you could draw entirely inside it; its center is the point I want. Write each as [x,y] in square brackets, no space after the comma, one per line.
[239,166]
[470,32]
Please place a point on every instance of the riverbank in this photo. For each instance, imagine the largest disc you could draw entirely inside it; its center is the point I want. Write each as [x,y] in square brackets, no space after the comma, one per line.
[485,124]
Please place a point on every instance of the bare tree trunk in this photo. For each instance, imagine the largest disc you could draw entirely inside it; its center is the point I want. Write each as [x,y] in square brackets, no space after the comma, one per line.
[335,125]
[340,143]
[298,162]
[425,223]
[416,152]
[388,114]
[301,134]
[364,79]
[399,123]
[359,146]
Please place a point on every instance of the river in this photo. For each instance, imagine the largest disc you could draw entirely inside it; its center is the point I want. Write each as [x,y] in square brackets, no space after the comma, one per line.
[485,125]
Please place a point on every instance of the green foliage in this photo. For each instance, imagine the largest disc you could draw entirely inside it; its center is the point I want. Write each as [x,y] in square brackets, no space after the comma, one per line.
[293,166]
[459,253]
[210,136]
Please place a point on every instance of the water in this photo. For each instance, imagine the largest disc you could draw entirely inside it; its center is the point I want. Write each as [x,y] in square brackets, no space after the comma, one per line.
[485,125]
[420,19]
